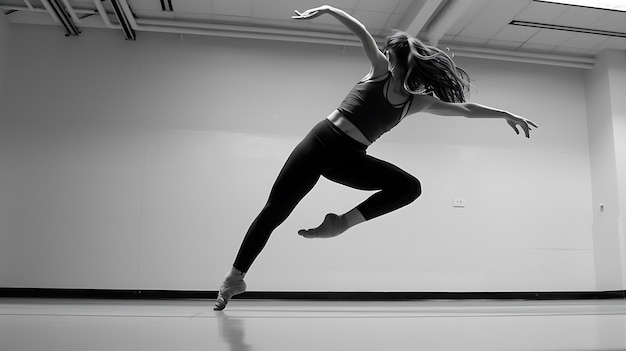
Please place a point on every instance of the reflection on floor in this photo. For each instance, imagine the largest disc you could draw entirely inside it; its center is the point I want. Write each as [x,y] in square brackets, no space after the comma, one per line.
[258,325]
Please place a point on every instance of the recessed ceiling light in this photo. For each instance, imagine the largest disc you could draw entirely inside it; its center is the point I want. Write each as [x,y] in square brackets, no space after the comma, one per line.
[615,5]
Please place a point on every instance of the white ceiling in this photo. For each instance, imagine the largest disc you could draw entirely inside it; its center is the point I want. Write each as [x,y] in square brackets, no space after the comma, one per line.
[483,27]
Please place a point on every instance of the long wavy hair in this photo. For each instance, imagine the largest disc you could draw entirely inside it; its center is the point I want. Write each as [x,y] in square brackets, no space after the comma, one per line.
[427,69]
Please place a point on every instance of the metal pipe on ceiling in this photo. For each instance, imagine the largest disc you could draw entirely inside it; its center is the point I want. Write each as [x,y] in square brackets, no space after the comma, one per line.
[49,9]
[28,4]
[124,19]
[66,19]
[71,11]
[105,16]
[60,14]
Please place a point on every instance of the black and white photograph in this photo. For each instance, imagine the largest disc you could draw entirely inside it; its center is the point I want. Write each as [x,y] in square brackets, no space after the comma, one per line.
[262,175]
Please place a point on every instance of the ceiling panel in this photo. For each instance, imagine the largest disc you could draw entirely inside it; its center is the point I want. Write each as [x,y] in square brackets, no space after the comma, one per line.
[145,5]
[476,7]
[234,20]
[272,9]
[458,27]
[550,37]
[472,41]
[373,20]
[81,3]
[190,6]
[515,33]
[484,24]
[376,5]
[540,12]
[538,47]
[584,41]
[13,2]
[493,18]
[578,17]
[393,22]
[403,6]
[611,21]
[158,14]
[232,7]
[503,44]
[342,4]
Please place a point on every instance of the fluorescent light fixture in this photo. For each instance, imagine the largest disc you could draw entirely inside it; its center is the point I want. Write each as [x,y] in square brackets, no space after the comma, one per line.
[614,5]
[568,28]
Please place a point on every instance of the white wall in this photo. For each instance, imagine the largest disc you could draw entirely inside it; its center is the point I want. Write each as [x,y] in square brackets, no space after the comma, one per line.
[606,109]
[4,44]
[140,165]
[618,81]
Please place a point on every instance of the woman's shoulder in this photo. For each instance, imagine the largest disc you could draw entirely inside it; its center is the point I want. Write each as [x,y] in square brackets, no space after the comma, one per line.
[372,77]
[420,102]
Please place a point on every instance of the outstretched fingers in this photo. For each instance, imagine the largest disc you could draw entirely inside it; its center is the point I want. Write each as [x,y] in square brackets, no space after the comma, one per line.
[308,14]
[514,126]
[524,124]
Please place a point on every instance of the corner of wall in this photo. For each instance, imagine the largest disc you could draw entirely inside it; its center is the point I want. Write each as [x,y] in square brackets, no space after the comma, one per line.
[4,48]
[606,114]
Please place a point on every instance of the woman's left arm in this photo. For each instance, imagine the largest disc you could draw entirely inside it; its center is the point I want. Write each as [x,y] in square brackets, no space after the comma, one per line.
[375,56]
[430,104]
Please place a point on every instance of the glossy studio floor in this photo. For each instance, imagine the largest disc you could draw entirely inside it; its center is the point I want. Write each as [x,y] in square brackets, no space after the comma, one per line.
[260,325]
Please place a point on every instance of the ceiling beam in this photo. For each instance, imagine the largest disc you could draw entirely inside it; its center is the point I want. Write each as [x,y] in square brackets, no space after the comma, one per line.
[445,19]
[418,16]
[127,28]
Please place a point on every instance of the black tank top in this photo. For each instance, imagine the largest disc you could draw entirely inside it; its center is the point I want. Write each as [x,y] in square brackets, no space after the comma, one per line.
[367,107]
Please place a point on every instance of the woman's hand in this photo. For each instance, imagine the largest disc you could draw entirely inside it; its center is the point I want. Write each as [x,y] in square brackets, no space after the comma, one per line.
[524,123]
[310,13]
[370,47]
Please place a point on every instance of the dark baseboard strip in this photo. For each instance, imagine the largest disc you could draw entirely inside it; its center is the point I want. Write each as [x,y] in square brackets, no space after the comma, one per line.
[303,295]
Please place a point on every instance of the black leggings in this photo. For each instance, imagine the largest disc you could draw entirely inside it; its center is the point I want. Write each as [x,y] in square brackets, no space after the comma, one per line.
[327,151]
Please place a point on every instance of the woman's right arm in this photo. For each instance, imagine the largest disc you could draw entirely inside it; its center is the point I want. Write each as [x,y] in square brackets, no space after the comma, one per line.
[377,59]
[430,104]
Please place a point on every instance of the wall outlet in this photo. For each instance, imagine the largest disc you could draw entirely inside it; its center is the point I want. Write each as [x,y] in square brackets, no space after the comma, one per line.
[458,202]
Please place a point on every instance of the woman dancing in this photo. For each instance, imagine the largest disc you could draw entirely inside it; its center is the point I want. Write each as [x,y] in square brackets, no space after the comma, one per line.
[406,77]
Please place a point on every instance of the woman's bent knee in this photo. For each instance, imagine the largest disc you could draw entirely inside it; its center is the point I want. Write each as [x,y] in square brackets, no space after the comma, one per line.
[413,188]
